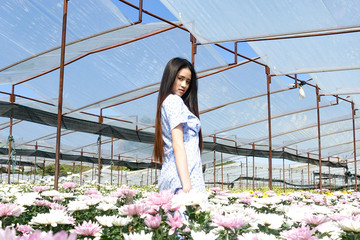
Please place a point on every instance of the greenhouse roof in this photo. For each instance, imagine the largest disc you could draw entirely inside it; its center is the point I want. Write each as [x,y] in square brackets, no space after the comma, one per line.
[113,66]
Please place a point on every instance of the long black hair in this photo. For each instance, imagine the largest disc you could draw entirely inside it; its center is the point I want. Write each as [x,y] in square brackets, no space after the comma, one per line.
[190,99]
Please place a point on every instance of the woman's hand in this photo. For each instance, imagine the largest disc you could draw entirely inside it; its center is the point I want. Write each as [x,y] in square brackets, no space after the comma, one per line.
[187,188]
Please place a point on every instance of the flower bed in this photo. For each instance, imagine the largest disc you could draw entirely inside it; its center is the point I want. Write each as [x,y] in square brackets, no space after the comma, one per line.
[85,212]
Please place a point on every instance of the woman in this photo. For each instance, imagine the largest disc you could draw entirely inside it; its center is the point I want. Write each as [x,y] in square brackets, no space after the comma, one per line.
[178,139]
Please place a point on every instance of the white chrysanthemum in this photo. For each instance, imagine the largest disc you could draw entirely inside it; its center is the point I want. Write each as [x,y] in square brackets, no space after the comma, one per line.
[106,206]
[332,228]
[232,208]
[258,236]
[109,200]
[297,214]
[122,221]
[218,200]
[189,199]
[67,195]
[27,199]
[321,210]
[51,193]
[347,209]
[92,201]
[138,236]
[267,201]
[106,221]
[349,225]
[203,235]
[54,218]
[274,221]
[77,205]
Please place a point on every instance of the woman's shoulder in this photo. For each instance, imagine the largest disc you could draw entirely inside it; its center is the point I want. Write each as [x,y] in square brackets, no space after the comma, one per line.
[173,99]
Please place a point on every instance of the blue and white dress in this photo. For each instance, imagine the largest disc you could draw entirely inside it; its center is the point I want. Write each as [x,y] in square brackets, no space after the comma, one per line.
[173,112]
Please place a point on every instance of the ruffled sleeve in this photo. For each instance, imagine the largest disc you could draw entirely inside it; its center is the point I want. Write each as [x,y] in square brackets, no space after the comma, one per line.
[173,109]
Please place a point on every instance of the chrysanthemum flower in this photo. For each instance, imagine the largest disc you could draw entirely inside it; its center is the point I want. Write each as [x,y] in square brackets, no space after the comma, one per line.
[228,222]
[10,209]
[87,228]
[153,221]
[303,233]
[138,236]
[69,185]
[175,221]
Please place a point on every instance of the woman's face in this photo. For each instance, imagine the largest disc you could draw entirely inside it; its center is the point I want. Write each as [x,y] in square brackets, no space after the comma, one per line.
[182,82]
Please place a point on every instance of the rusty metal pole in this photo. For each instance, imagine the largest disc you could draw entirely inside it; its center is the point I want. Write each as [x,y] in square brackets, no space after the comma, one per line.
[247,172]
[253,173]
[214,139]
[99,149]
[284,172]
[268,81]
[222,172]
[235,52]
[308,172]
[19,170]
[43,171]
[12,100]
[118,168]
[354,139]
[319,136]
[329,173]
[36,148]
[60,98]
[112,153]
[81,158]
[140,10]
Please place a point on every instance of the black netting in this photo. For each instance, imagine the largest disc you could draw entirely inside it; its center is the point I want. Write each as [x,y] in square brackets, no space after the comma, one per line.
[70,123]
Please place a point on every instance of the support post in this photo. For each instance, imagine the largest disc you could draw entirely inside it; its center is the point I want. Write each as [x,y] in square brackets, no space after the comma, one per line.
[268,81]
[99,149]
[112,154]
[60,98]
[36,148]
[81,159]
[354,140]
[12,100]
[308,172]
[222,172]
[284,172]
[319,134]
[214,139]
[253,168]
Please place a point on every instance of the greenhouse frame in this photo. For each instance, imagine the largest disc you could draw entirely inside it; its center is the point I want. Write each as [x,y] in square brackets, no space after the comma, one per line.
[278,89]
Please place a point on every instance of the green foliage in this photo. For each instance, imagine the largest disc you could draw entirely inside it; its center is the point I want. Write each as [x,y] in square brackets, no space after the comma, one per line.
[64,169]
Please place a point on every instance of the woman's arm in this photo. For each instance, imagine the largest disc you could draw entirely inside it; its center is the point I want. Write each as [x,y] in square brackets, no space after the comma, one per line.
[180,157]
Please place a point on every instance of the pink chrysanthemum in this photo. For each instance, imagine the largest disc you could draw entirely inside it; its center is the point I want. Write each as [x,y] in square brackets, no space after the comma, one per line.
[175,221]
[57,206]
[92,191]
[69,185]
[87,228]
[120,192]
[62,235]
[133,209]
[24,229]
[40,188]
[228,222]
[300,233]
[10,209]
[42,203]
[153,221]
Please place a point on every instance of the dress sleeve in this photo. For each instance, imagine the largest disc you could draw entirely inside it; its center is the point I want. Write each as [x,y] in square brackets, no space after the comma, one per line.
[174,111]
